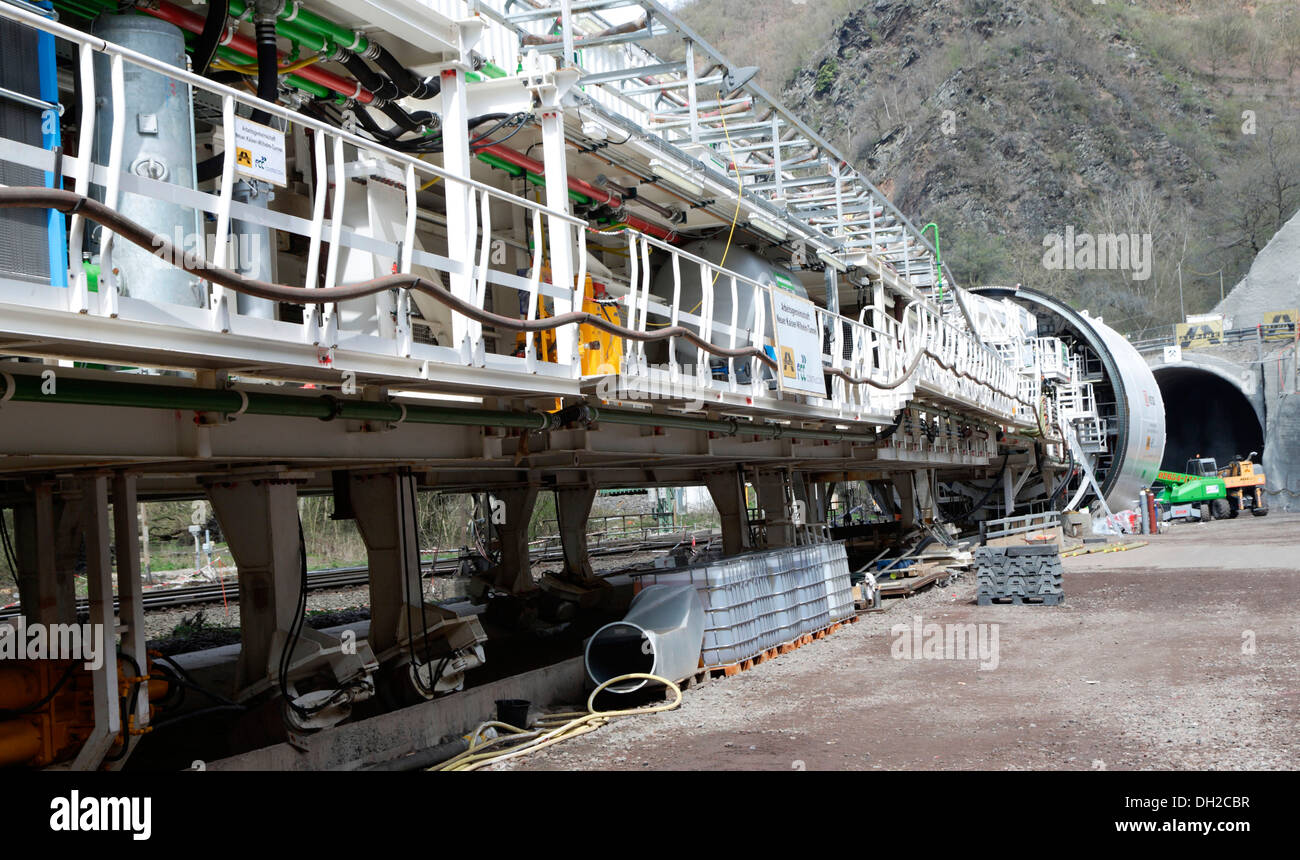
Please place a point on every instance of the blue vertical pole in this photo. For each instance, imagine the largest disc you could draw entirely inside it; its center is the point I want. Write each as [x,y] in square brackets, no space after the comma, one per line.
[51,137]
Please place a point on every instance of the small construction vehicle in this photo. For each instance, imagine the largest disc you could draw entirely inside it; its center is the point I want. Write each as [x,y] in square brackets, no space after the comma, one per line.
[1200,485]
[1245,483]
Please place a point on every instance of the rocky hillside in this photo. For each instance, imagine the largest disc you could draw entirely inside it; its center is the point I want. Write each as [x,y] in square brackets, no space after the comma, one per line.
[1009,121]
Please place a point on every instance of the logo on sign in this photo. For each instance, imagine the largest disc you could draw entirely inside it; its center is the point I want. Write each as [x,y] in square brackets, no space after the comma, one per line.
[788,368]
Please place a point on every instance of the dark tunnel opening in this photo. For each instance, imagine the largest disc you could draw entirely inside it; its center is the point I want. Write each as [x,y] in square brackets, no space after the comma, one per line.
[1205,416]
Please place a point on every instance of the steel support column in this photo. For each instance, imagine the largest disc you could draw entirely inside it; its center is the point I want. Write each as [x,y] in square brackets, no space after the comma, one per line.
[774,499]
[99,582]
[512,510]
[259,517]
[727,489]
[573,510]
[385,507]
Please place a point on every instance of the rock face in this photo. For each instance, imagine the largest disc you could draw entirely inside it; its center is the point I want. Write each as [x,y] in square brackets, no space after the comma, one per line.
[1272,284]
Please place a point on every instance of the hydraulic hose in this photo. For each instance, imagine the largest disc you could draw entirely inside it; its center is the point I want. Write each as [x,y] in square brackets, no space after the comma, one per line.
[382,88]
[268,68]
[193,23]
[406,81]
[214,26]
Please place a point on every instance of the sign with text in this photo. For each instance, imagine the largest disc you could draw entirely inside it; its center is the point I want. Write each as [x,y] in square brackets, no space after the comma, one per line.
[259,152]
[798,344]
[1280,325]
[1202,334]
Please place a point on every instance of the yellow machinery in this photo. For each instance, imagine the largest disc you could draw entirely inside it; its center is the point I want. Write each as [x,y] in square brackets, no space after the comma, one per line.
[47,710]
[600,353]
[1245,483]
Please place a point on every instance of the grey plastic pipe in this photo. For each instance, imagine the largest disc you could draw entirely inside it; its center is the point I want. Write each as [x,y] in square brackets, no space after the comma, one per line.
[662,634]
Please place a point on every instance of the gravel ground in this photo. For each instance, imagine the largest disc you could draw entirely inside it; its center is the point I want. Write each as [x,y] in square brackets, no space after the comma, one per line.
[1143,667]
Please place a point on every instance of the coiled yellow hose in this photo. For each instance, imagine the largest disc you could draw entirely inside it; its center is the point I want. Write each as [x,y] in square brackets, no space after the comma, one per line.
[551,728]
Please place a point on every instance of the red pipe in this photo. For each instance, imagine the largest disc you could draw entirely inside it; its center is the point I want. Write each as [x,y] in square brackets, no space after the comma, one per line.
[518,159]
[194,23]
[597,194]
[246,46]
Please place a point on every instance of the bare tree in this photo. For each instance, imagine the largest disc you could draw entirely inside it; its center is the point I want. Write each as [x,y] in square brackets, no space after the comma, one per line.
[1223,35]
[1288,37]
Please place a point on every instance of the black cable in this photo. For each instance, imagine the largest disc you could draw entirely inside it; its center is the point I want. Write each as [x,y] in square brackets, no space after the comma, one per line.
[379,85]
[268,69]
[125,710]
[214,27]
[184,679]
[406,81]
[402,494]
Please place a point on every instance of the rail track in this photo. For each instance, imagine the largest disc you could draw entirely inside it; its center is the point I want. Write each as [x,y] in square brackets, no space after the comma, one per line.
[348,577]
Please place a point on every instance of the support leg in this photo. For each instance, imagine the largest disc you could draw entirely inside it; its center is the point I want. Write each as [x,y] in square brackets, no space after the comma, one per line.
[259,517]
[385,506]
[573,509]
[728,492]
[512,510]
[774,499]
[130,609]
[99,580]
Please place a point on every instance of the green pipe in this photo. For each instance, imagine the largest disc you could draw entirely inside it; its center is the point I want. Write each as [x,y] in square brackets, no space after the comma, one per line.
[516,170]
[938,254]
[93,392]
[311,29]
[500,163]
[87,392]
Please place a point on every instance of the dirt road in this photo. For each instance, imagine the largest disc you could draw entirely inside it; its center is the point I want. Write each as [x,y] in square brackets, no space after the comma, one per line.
[1182,654]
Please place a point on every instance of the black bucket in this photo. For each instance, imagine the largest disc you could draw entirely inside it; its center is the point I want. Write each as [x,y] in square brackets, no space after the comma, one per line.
[513,712]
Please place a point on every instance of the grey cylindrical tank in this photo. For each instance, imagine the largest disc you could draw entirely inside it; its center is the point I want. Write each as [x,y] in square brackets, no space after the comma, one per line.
[662,634]
[742,262]
[158,143]
[252,247]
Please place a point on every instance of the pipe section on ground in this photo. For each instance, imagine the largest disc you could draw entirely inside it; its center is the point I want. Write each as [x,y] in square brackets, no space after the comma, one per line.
[662,634]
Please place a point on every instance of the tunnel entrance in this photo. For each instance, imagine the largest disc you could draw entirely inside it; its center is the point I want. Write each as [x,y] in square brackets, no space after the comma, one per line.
[1205,416]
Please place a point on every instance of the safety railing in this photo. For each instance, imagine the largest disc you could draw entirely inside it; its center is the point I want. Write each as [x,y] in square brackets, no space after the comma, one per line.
[875,369]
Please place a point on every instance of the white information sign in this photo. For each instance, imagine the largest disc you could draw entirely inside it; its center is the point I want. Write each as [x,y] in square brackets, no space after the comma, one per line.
[798,344]
[259,152]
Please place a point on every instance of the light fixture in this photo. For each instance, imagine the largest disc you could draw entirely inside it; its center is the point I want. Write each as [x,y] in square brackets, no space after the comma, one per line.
[667,173]
[832,261]
[776,231]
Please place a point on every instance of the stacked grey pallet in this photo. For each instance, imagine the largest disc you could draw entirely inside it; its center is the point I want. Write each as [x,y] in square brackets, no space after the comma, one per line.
[761,600]
[1019,574]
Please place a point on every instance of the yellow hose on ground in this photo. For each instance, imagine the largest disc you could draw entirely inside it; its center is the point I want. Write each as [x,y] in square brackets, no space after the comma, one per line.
[552,728]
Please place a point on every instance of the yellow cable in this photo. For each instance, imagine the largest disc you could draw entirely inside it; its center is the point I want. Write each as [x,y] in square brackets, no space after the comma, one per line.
[740,190]
[571,725]
[251,68]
